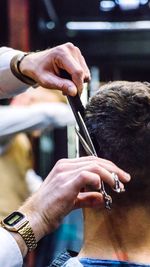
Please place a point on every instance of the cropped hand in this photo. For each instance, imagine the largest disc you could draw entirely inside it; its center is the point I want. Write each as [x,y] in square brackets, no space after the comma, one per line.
[44,67]
[62,190]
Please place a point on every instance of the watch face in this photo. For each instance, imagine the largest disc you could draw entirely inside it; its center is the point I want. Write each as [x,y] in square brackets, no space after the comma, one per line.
[13,218]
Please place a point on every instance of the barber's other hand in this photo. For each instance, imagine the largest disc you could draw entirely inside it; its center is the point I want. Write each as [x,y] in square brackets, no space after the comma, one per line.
[44,67]
[61,191]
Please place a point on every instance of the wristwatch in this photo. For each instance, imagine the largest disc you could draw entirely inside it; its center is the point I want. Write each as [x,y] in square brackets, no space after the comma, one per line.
[18,222]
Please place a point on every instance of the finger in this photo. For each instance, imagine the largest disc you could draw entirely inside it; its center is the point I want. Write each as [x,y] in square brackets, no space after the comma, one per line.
[85,178]
[80,58]
[103,174]
[71,164]
[76,54]
[87,75]
[112,168]
[52,81]
[73,67]
[89,199]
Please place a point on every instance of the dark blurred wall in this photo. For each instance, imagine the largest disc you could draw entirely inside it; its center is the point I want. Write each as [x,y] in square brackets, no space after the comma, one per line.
[3,22]
[18,12]
[119,54]
[14,27]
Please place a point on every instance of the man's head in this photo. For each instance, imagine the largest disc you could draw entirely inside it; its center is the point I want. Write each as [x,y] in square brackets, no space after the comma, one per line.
[118,119]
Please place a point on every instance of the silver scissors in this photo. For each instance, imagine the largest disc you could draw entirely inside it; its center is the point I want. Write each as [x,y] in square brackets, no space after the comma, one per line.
[85,139]
[83,134]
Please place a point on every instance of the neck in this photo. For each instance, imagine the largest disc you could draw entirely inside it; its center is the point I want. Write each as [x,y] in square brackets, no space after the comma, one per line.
[121,234]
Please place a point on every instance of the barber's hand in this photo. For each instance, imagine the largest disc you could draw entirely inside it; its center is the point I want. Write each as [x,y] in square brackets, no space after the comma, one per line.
[45,66]
[61,191]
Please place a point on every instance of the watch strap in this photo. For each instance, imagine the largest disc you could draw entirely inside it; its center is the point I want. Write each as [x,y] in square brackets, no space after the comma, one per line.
[28,236]
[15,68]
[17,222]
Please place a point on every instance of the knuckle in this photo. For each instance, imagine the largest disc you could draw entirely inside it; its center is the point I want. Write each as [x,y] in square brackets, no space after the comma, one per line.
[60,50]
[60,54]
[60,161]
[83,176]
[60,176]
[111,163]
[70,46]
[60,165]
[63,87]
[95,167]
[78,51]
[79,73]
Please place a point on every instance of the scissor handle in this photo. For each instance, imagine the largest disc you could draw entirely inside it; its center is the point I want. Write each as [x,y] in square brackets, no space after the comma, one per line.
[74,101]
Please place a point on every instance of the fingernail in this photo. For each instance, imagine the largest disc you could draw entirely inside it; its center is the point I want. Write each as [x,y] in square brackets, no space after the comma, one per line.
[128,177]
[72,90]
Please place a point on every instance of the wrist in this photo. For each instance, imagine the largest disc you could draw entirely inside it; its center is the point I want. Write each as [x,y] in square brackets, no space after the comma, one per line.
[17,70]
[26,64]
[34,217]
[42,222]
[21,243]
[19,227]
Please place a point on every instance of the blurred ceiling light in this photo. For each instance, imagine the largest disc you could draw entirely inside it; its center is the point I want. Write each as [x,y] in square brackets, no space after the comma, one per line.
[93,25]
[107,5]
[128,4]
[143,2]
[50,25]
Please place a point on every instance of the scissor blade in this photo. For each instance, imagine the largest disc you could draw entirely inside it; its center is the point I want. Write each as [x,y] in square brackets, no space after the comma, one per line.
[86,134]
[107,198]
[84,144]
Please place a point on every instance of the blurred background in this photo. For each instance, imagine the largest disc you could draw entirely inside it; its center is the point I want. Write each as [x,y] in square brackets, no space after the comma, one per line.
[114,37]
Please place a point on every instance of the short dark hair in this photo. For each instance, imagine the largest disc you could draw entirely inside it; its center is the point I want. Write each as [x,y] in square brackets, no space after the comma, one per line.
[118,119]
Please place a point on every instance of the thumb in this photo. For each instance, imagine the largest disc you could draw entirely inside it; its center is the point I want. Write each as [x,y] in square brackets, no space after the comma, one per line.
[89,199]
[51,81]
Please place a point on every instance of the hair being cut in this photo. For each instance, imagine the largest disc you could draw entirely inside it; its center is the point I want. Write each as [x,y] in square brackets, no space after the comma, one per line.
[118,119]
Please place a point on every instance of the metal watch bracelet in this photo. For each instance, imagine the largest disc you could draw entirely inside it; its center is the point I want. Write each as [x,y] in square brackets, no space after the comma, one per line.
[28,236]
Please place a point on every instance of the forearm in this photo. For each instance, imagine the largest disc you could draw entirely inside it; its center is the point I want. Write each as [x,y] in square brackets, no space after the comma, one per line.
[9,84]
[38,116]
[18,119]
